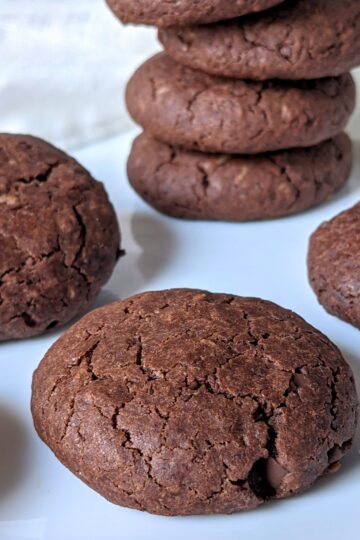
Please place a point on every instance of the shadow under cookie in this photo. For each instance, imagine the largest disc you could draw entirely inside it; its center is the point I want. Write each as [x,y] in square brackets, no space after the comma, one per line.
[157,242]
[13,450]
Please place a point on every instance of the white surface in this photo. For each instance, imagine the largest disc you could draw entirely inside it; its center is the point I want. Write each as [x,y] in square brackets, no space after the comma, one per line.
[40,499]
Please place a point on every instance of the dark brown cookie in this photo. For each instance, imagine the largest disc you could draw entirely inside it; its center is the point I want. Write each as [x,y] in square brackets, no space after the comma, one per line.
[195,185]
[187,108]
[59,238]
[300,39]
[164,13]
[334,265]
[187,402]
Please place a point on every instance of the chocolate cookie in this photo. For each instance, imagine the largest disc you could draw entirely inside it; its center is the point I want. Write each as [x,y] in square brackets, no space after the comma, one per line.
[334,265]
[186,402]
[195,185]
[187,108]
[165,13]
[300,39]
[59,237]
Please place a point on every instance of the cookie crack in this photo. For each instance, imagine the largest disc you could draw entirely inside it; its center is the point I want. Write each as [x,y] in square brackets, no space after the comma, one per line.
[285,174]
[205,182]
[82,229]
[139,356]
[32,260]
[87,358]
[83,234]
[334,397]
[169,161]
[192,100]
[41,177]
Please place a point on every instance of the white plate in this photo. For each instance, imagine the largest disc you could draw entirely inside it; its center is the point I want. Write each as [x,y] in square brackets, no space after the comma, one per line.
[40,499]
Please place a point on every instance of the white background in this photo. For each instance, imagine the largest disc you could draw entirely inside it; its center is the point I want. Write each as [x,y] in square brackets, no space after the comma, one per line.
[39,498]
[64,66]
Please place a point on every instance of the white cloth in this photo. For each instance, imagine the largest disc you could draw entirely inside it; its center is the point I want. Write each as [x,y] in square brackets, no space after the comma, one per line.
[64,66]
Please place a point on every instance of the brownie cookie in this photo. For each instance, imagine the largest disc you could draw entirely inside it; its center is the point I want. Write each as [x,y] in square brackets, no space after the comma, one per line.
[334,265]
[195,185]
[301,39]
[164,13]
[186,402]
[188,108]
[59,237]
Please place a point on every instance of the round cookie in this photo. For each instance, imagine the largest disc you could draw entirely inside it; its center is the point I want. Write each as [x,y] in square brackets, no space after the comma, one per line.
[195,185]
[187,402]
[163,13]
[188,108]
[59,237]
[300,39]
[334,265]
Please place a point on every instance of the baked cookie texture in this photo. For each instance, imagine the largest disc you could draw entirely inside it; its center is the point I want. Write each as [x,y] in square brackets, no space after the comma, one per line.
[187,108]
[196,185]
[187,402]
[59,237]
[334,265]
[164,13]
[300,39]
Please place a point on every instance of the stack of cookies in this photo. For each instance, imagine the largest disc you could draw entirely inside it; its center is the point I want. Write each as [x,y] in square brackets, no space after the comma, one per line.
[243,118]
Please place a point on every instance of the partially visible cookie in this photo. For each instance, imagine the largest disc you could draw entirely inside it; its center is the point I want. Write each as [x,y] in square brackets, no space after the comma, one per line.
[59,237]
[300,39]
[164,13]
[195,185]
[187,402]
[188,108]
[334,265]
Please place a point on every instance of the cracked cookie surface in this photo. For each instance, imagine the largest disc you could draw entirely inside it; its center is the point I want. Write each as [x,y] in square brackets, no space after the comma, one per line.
[334,265]
[187,402]
[188,108]
[164,13]
[59,237]
[196,185]
[300,39]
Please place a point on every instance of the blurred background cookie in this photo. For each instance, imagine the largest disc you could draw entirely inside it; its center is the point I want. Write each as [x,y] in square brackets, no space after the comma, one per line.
[334,265]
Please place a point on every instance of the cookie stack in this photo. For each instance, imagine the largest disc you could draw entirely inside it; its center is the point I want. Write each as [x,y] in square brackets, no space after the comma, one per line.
[243,118]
